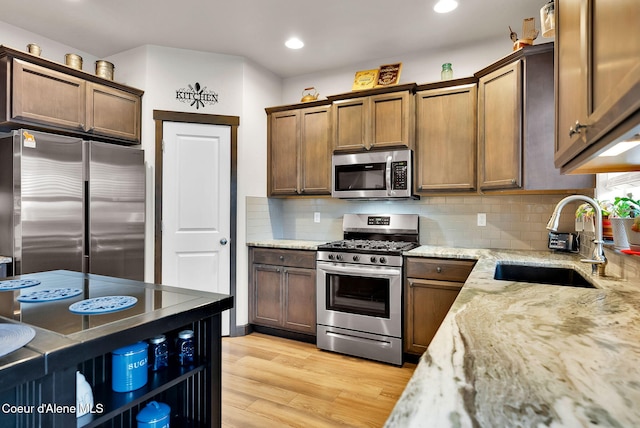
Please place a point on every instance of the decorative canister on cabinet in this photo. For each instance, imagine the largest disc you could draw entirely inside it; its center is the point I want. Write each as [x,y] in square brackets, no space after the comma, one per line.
[34,49]
[73,61]
[104,69]
[129,367]
[154,415]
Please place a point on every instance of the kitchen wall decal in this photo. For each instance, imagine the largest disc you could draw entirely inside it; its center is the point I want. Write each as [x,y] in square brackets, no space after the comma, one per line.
[197,96]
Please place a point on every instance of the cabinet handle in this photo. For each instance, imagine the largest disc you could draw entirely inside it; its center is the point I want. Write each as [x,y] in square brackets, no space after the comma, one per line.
[513,181]
[438,269]
[281,258]
[576,129]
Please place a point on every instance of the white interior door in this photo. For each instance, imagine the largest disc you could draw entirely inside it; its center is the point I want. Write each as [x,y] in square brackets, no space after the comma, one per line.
[195,208]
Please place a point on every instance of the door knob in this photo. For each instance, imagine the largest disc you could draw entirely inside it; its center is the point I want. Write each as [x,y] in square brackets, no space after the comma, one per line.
[223,241]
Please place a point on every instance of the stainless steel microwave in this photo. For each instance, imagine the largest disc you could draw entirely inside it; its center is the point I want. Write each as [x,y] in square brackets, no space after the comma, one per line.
[372,175]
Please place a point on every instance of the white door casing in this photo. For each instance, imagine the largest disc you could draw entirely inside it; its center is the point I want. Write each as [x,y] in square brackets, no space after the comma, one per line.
[195,208]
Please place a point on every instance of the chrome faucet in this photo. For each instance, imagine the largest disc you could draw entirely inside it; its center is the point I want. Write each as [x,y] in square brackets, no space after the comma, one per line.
[598,260]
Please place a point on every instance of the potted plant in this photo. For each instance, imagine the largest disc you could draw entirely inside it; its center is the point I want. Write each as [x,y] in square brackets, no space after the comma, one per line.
[625,211]
[585,216]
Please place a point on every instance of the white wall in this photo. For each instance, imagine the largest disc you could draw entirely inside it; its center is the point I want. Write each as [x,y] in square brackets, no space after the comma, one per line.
[420,67]
[244,89]
[18,39]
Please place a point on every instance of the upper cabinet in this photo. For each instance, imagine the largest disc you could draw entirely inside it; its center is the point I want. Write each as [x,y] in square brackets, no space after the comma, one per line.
[51,96]
[299,149]
[113,112]
[446,136]
[516,125]
[598,84]
[374,119]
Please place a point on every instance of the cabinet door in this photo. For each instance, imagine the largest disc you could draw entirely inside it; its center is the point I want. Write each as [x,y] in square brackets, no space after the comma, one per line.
[615,64]
[392,122]
[47,97]
[284,135]
[351,124]
[500,128]
[446,138]
[266,301]
[426,306]
[300,300]
[316,147]
[598,82]
[113,112]
[571,79]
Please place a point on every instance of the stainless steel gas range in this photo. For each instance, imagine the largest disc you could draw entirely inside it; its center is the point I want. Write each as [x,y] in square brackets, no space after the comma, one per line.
[360,282]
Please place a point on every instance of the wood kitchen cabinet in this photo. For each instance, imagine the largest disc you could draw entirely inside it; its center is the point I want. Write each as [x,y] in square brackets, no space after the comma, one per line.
[446,136]
[431,287]
[299,150]
[598,83]
[50,96]
[113,112]
[282,289]
[374,119]
[516,125]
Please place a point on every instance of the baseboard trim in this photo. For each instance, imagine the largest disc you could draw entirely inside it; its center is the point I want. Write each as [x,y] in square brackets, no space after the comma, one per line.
[301,337]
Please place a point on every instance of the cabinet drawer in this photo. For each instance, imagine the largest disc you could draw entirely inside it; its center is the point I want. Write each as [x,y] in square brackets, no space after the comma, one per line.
[297,258]
[439,269]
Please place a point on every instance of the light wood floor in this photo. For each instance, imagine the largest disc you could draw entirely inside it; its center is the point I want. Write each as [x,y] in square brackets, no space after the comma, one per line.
[273,382]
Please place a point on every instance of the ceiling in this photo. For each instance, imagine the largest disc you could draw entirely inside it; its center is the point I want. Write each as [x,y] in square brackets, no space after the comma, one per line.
[337,33]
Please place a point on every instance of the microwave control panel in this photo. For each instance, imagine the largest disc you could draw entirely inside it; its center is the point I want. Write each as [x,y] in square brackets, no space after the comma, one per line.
[399,172]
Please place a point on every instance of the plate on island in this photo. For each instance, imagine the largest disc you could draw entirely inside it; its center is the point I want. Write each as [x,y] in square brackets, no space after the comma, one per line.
[49,295]
[14,337]
[16,284]
[103,305]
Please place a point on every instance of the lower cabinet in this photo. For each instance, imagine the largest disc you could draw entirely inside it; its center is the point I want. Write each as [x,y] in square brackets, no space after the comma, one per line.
[282,289]
[431,287]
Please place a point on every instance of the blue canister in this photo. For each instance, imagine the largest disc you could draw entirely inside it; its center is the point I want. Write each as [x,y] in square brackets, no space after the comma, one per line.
[158,353]
[129,367]
[154,415]
[185,347]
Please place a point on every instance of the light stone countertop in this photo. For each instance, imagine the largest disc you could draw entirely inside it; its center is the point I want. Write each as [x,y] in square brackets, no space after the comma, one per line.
[5,259]
[292,244]
[512,354]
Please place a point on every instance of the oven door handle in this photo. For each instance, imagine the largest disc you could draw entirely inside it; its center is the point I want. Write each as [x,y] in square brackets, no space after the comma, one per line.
[359,271]
[388,174]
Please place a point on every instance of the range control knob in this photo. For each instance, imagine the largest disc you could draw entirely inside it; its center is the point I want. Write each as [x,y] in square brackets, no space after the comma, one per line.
[373,259]
[331,257]
[356,258]
[383,260]
[339,257]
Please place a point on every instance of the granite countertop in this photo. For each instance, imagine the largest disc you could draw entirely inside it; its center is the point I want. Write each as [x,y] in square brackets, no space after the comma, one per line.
[516,354]
[5,259]
[292,244]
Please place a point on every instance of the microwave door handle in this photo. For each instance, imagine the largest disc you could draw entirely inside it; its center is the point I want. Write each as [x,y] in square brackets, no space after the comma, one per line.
[388,173]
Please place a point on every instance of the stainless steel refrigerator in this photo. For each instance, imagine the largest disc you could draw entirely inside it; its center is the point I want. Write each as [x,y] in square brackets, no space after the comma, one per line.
[71,204]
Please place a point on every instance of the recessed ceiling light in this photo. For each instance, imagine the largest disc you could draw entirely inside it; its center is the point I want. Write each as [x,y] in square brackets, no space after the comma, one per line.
[444,6]
[294,43]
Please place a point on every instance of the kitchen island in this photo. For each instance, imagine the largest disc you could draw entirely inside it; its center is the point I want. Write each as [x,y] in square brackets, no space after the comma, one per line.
[38,381]
[519,354]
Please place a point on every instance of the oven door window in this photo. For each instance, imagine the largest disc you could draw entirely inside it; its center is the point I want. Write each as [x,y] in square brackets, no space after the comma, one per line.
[360,177]
[358,295]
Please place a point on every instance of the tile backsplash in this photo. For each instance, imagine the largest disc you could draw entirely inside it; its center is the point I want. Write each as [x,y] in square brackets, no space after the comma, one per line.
[512,221]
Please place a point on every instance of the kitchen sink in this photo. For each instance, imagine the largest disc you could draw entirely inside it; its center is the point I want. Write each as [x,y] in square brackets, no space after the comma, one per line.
[541,275]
